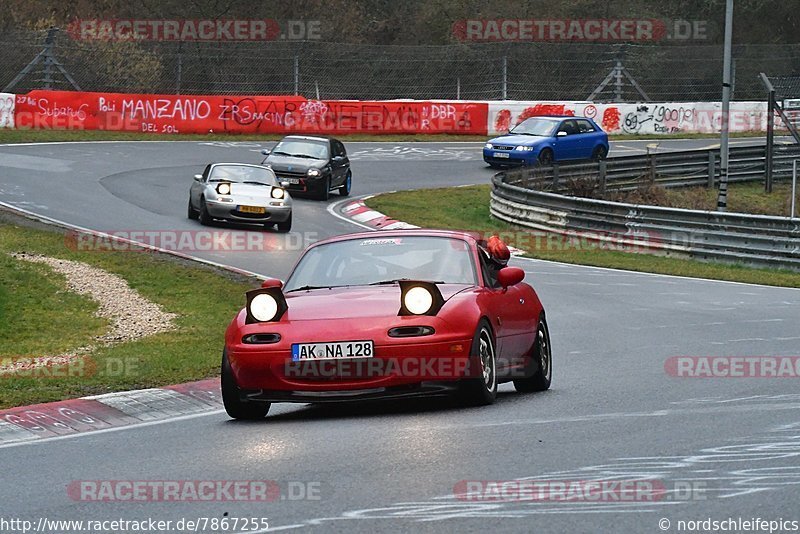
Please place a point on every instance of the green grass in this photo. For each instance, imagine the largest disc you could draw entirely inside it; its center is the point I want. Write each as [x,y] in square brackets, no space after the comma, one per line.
[49,136]
[744,198]
[41,318]
[467,208]
[26,289]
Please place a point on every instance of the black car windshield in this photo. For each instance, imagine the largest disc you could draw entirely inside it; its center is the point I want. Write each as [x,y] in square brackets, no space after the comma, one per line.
[384,259]
[242,173]
[302,148]
[535,126]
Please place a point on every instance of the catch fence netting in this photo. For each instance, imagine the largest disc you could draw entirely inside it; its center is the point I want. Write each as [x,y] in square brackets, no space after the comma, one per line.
[486,71]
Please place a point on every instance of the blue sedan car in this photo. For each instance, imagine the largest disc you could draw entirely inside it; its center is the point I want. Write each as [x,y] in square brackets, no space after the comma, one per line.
[543,140]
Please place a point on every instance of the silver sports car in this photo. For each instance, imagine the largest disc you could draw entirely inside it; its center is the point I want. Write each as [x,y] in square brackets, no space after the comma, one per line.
[242,193]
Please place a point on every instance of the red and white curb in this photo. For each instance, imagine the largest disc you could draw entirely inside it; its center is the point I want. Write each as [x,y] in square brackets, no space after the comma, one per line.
[358,212]
[102,412]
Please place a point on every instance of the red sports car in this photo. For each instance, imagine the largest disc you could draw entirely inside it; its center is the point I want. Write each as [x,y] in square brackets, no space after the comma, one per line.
[388,315]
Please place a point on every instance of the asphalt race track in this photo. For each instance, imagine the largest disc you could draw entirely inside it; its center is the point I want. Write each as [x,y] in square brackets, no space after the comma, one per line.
[722,448]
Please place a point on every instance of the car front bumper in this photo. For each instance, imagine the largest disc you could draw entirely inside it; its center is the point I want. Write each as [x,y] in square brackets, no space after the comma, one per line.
[230,212]
[271,373]
[509,157]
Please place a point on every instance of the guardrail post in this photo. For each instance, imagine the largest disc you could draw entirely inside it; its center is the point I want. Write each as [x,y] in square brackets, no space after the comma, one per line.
[770,146]
[601,173]
[555,177]
[652,165]
[794,186]
[712,168]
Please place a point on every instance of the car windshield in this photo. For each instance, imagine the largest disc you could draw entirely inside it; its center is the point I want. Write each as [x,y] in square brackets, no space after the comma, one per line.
[384,260]
[535,126]
[302,148]
[242,174]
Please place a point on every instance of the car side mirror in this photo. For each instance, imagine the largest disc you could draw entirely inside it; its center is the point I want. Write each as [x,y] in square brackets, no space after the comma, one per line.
[510,276]
[198,177]
[561,134]
[271,282]
[265,151]
[284,184]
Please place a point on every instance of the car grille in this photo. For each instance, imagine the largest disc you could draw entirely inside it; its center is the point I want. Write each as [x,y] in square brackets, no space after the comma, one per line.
[287,174]
[502,147]
[245,215]
[284,175]
[320,371]
[504,161]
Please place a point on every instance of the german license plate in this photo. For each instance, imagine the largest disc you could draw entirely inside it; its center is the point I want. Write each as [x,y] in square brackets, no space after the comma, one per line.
[252,209]
[502,155]
[340,350]
[293,181]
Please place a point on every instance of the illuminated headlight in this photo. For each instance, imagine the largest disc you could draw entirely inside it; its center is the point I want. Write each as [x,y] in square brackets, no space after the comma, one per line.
[418,297]
[487,145]
[277,192]
[524,148]
[224,189]
[418,300]
[313,172]
[263,307]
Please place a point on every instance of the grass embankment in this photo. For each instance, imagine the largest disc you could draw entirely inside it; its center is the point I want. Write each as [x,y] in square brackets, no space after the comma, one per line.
[40,317]
[467,208]
[742,198]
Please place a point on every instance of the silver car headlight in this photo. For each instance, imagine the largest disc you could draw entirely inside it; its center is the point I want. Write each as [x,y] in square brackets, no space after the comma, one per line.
[313,172]
[277,192]
[224,188]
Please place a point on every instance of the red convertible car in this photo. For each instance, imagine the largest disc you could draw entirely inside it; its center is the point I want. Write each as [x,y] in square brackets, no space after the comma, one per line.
[388,315]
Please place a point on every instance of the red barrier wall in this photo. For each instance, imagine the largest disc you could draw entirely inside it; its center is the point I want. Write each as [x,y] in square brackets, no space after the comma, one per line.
[243,114]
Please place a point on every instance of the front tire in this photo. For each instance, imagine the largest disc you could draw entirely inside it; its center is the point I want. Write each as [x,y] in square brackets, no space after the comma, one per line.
[482,390]
[234,406]
[541,378]
[191,212]
[344,190]
[325,193]
[285,226]
[599,153]
[546,157]
[205,217]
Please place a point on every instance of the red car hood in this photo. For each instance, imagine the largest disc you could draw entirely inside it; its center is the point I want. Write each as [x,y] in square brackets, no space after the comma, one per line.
[352,302]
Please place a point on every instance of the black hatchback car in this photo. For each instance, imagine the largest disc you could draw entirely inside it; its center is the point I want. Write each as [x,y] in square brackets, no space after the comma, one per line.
[313,165]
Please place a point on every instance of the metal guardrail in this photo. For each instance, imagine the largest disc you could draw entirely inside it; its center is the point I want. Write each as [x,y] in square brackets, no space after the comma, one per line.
[757,240]
[668,169]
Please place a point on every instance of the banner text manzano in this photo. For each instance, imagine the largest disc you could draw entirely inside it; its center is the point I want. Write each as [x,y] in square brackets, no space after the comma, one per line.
[243,114]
